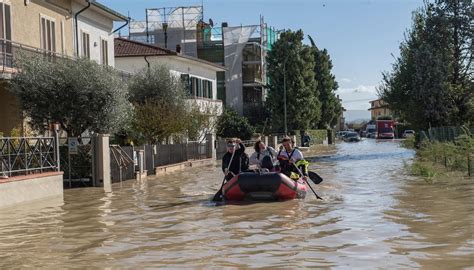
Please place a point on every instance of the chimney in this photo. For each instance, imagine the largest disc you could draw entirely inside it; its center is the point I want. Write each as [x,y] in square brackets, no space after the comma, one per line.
[178,48]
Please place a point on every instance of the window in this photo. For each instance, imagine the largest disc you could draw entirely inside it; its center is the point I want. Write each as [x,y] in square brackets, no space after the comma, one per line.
[186,82]
[104,52]
[5,22]
[48,34]
[5,29]
[194,87]
[86,49]
[209,88]
[203,88]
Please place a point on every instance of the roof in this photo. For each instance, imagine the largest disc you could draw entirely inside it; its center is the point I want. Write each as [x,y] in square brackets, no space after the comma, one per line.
[375,100]
[130,48]
[125,47]
[109,10]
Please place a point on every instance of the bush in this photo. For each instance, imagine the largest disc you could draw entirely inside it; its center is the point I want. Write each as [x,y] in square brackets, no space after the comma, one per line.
[231,124]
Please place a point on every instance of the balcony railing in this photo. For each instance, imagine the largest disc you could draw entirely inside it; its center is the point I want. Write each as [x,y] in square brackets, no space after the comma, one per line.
[10,51]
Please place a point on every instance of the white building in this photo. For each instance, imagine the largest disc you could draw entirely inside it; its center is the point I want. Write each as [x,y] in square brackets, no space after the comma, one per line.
[93,30]
[200,75]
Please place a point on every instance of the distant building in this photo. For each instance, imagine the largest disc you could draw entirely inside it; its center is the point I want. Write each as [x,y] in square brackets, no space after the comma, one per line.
[379,108]
[341,123]
[48,28]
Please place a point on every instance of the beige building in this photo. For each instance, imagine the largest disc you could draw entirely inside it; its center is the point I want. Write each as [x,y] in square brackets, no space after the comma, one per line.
[49,26]
[379,108]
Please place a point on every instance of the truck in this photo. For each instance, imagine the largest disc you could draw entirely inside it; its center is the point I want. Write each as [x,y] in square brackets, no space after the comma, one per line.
[385,129]
[370,130]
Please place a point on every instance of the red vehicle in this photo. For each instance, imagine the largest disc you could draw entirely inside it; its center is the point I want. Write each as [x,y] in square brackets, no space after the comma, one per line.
[385,129]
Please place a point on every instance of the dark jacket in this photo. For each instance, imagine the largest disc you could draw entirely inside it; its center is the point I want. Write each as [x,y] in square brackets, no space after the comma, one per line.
[236,166]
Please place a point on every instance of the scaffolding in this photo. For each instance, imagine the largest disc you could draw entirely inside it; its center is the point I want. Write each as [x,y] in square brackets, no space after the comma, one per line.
[241,49]
[169,27]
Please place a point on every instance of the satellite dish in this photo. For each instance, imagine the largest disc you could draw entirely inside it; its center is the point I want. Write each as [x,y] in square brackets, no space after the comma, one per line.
[211,23]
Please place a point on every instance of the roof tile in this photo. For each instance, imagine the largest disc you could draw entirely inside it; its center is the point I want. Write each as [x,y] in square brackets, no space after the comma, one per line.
[126,47]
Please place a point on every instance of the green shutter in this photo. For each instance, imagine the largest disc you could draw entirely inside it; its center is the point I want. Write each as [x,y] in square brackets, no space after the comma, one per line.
[210,89]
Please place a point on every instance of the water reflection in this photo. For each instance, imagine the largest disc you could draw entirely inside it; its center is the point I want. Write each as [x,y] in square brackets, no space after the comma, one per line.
[373,216]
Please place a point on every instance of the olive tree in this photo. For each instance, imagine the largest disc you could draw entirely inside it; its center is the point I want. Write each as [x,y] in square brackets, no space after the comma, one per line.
[158,98]
[78,94]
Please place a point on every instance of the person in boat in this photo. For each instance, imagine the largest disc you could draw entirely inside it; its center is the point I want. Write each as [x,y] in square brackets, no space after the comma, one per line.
[264,156]
[290,159]
[238,163]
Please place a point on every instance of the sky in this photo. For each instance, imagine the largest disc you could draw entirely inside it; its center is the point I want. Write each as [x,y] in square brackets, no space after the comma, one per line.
[361,36]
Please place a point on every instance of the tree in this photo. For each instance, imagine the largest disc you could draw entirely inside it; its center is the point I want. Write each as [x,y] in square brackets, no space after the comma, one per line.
[431,81]
[79,95]
[331,107]
[201,119]
[289,55]
[230,124]
[158,98]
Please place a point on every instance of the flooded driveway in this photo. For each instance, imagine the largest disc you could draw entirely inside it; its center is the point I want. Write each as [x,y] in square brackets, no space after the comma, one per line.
[373,215]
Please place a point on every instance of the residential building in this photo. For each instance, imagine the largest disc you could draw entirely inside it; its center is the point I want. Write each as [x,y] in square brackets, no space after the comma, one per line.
[199,75]
[93,31]
[379,108]
[241,49]
[48,27]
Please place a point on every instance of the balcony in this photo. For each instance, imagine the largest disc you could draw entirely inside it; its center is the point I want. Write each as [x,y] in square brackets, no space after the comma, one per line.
[214,105]
[10,51]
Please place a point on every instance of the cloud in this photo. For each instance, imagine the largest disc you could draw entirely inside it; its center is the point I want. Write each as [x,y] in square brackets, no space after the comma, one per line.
[346,80]
[357,98]
[359,89]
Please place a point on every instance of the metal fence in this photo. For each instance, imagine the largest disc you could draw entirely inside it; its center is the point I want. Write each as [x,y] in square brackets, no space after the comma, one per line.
[77,166]
[449,146]
[166,154]
[444,134]
[124,159]
[122,165]
[27,155]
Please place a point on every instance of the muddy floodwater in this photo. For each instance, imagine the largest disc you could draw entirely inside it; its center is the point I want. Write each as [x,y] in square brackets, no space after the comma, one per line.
[374,215]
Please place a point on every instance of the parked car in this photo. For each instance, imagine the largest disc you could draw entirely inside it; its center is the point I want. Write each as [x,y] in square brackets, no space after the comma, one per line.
[352,137]
[408,133]
[371,135]
[341,134]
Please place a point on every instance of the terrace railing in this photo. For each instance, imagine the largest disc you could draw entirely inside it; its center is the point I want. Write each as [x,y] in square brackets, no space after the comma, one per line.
[10,51]
[27,155]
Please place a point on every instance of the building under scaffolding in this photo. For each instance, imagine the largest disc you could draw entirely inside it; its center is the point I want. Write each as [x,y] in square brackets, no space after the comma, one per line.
[241,49]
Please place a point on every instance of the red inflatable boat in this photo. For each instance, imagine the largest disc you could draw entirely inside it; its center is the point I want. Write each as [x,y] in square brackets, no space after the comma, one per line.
[270,186]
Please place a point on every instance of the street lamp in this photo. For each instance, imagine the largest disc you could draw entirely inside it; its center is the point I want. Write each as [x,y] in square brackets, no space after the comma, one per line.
[285,121]
[284,94]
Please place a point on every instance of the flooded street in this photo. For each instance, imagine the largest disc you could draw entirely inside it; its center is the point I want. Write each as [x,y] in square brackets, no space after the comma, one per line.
[373,215]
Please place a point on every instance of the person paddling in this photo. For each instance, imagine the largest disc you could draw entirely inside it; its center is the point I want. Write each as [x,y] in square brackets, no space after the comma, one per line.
[264,156]
[290,157]
[234,159]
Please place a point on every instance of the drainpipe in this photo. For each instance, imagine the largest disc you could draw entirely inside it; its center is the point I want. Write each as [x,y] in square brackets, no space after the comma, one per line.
[147,63]
[77,31]
[126,23]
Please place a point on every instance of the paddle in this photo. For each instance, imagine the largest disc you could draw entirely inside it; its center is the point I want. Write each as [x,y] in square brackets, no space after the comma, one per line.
[315,177]
[218,196]
[304,178]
